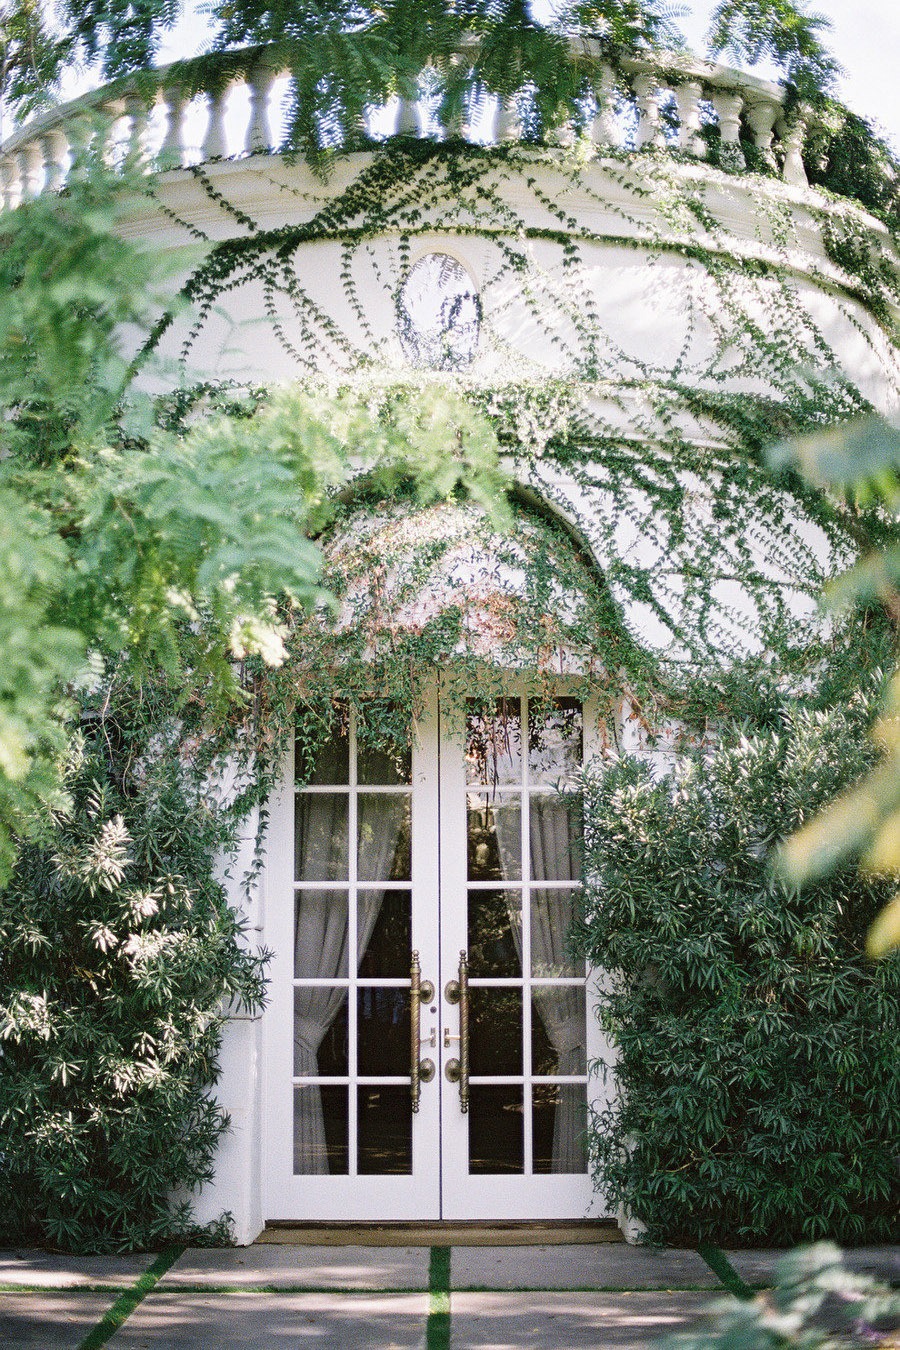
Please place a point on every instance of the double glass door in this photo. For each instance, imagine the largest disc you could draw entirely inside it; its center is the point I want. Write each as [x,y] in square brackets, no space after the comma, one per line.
[428,1037]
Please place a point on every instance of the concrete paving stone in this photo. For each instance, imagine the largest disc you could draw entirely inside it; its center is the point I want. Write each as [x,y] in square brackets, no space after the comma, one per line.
[242,1321]
[632,1321]
[757,1267]
[360,1268]
[44,1270]
[605,1266]
[55,1320]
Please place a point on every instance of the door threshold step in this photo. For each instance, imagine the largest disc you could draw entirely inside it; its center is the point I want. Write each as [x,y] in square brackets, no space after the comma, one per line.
[474,1233]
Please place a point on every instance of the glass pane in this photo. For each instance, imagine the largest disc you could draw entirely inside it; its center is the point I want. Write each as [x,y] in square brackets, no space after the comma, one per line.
[438,314]
[382,768]
[383,1032]
[331,763]
[385,933]
[321,836]
[552,920]
[495,837]
[555,831]
[559,1124]
[495,933]
[320,935]
[383,845]
[494,744]
[384,1131]
[555,741]
[320,1032]
[558,1029]
[321,1130]
[495,1032]
[496,1135]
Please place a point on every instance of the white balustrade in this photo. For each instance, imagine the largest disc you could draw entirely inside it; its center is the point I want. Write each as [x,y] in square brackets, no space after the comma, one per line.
[605,126]
[215,142]
[647,93]
[31,161]
[259,131]
[729,105]
[55,145]
[407,123]
[761,118]
[793,134]
[41,157]
[172,151]
[687,101]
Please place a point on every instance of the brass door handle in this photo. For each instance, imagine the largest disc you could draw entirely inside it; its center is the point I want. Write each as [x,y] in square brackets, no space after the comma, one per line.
[457,1070]
[420,1070]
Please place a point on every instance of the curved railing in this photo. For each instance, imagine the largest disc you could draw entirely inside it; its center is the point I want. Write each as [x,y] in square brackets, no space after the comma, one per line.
[157,117]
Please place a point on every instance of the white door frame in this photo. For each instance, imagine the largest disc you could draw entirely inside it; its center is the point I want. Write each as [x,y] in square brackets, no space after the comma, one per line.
[439,1186]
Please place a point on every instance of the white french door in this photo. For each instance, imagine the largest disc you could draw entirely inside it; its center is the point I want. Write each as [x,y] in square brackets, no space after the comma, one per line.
[428,1033]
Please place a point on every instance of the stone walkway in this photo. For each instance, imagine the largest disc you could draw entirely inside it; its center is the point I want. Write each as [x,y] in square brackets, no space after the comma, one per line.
[437,1298]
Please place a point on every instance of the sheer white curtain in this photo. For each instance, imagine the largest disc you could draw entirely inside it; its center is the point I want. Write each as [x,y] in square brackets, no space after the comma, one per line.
[554,850]
[321,937]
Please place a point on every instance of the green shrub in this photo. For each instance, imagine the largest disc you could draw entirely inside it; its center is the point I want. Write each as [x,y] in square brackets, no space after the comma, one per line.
[817,1304]
[117,951]
[757,1077]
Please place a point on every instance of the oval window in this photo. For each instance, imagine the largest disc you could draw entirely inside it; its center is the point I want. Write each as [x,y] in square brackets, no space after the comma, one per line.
[438,314]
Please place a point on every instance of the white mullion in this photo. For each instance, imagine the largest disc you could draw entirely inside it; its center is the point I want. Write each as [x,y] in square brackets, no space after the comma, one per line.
[527,1114]
[352,959]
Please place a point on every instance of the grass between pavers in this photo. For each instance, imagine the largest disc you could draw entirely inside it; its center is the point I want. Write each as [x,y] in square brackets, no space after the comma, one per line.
[719,1264]
[437,1328]
[125,1304]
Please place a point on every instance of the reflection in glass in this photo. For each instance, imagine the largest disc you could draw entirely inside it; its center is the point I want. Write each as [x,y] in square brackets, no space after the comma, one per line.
[494,837]
[495,933]
[320,1031]
[555,839]
[552,920]
[558,1018]
[555,741]
[320,935]
[330,763]
[496,1133]
[384,836]
[382,1034]
[320,836]
[378,768]
[494,745]
[384,1131]
[387,953]
[321,1130]
[559,1125]
[495,1031]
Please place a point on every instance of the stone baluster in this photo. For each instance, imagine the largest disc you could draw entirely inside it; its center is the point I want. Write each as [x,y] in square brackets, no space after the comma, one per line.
[31,160]
[605,126]
[646,91]
[172,151]
[407,118]
[687,101]
[508,126]
[55,145]
[761,119]
[138,114]
[728,105]
[793,134]
[110,130]
[80,131]
[11,180]
[215,142]
[259,131]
